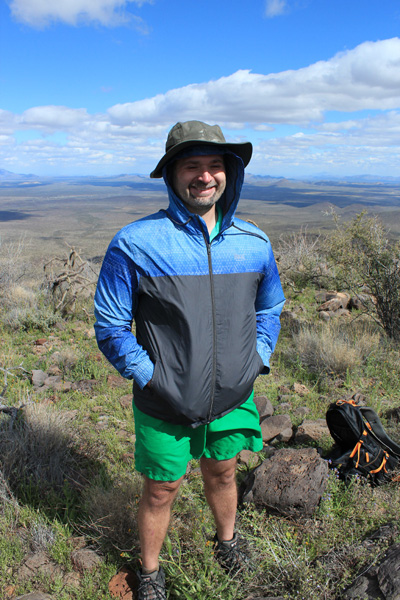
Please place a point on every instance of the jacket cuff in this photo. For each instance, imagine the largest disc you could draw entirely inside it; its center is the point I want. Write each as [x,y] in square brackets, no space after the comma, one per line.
[144,373]
[265,356]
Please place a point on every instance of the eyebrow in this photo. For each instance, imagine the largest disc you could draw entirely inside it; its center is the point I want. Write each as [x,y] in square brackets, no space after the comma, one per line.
[195,161]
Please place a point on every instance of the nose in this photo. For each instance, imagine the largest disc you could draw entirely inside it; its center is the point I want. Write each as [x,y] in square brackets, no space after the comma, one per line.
[205,176]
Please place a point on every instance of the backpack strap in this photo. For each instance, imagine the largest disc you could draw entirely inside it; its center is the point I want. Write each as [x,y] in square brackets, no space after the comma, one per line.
[376,429]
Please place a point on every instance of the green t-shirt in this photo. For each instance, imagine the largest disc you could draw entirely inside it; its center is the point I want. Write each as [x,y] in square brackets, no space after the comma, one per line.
[217,227]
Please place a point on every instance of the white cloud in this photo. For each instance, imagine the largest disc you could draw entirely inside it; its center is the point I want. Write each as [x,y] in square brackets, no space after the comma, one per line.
[369,145]
[367,77]
[53,118]
[40,13]
[363,79]
[275,8]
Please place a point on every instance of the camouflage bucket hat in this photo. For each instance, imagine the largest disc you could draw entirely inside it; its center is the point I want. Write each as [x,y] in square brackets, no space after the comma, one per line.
[196,133]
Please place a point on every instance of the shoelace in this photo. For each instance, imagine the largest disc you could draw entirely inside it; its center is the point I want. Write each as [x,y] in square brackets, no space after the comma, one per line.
[234,558]
[151,590]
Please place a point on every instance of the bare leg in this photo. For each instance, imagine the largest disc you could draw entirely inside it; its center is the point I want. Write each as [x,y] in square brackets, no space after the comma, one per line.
[221,493]
[153,518]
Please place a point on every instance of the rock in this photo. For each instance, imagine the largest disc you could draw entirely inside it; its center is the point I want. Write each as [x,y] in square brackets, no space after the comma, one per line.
[274,426]
[128,457]
[264,407]
[38,377]
[345,299]
[54,370]
[300,389]
[284,390]
[72,579]
[116,381]
[330,306]
[301,411]
[265,598]
[324,315]
[311,431]
[359,398]
[366,587]
[123,584]
[126,401]
[360,301]
[247,457]
[343,312]
[340,300]
[53,380]
[324,296]
[35,596]
[89,334]
[40,342]
[9,591]
[291,482]
[380,581]
[389,573]
[39,563]
[85,560]
[285,435]
[84,385]
[78,542]
[285,406]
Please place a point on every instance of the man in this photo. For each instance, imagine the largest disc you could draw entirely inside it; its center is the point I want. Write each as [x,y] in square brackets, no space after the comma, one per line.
[203,289]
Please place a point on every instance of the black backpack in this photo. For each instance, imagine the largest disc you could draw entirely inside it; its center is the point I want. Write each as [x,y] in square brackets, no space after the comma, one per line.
[363,447]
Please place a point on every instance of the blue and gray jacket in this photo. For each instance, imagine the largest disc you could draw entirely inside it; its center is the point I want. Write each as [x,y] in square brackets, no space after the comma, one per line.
[206,314]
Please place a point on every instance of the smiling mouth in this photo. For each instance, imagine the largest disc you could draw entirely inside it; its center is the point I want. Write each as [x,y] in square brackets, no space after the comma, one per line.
[202,191]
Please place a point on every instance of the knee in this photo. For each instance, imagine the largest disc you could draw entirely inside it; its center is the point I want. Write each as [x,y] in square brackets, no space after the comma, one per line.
[219,473]
[225,478]
[160,493]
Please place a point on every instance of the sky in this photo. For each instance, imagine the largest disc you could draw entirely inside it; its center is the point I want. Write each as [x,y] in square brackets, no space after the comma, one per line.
[92,87]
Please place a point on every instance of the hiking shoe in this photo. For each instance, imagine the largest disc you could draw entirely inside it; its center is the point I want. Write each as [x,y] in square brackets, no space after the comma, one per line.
[152,586]
[233,555]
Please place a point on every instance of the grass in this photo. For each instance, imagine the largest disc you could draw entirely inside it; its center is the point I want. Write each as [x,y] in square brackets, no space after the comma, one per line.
[69,472]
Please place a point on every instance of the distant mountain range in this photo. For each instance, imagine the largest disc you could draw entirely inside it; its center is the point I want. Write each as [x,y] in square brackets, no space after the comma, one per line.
[8,175]
[129,179]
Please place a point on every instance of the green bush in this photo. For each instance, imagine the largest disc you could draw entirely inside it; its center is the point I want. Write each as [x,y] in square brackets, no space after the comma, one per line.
[366,262]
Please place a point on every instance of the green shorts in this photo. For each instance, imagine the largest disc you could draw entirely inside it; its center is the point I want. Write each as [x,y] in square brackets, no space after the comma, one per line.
[163,450]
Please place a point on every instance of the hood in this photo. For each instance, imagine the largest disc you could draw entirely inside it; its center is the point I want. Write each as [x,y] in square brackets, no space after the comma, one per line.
[228,202]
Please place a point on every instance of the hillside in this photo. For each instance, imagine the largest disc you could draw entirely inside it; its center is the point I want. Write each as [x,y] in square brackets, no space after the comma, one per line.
[67,525]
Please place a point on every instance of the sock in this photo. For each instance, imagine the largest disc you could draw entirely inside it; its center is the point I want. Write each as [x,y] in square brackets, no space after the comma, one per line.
[151,574]
[228,542]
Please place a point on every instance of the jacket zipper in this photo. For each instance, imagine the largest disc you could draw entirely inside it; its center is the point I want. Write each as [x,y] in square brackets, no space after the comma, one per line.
[214,360]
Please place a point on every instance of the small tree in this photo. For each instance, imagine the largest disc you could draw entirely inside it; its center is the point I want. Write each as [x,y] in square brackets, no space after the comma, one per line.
[69,279]
[365,261]
[299,260]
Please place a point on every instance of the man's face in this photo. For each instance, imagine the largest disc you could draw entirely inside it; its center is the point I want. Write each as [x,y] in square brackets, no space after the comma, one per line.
[199,181]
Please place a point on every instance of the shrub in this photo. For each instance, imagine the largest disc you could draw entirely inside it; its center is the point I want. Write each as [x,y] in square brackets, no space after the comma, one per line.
[331,348]
[363,259]
[29,317]
[300,260]
[38,448]
[113,514]
[12,268]
[68,281]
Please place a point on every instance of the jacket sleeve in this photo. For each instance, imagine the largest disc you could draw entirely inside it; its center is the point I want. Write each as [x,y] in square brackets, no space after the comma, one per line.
[269,304]
[115,303]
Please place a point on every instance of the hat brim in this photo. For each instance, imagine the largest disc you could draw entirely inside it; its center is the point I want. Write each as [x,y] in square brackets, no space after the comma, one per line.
[244,151]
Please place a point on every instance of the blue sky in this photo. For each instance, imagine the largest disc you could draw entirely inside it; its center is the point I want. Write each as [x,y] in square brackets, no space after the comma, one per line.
[93,86]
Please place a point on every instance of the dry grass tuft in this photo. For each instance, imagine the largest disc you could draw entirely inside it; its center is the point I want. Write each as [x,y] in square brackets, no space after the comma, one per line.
[334,348]
[39,447]
[113,514]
